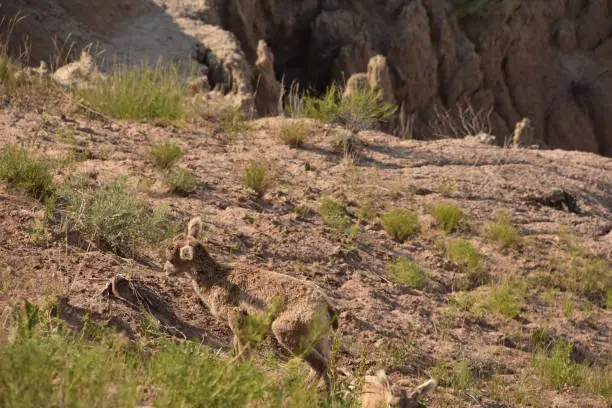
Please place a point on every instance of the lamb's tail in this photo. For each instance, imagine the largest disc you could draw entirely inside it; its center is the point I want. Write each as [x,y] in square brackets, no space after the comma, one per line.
[422,390]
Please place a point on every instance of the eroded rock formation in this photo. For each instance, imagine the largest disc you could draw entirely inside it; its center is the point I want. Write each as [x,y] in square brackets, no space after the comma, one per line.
[548,60]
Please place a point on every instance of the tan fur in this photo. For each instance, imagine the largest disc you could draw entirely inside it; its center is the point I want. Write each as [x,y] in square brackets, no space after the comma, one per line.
[230,292]
[379,393]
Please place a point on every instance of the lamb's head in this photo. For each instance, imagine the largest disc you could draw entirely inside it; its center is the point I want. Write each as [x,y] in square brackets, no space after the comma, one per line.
[185,254]
[378,392]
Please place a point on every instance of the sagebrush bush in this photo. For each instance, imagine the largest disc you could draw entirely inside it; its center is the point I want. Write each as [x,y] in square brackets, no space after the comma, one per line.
[401,224]
[294,133]
[361,110]
[165,154]
[448,217]
[256,178]
[140,92]
[116,218]
[334,214]
[21,169]
[502,232]
[180,181]
[407,272]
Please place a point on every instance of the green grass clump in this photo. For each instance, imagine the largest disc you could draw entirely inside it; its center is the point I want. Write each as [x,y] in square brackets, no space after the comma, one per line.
[406,272]
[334,214]
[556,369]
[115,218]
[401,224]
[139,93]
[20,169]
[363,109]
[467,257]
[165,154]
[294,133]
[502,232]
[506,299]
[449,217]
[233,123]
[256,178]
[454,374]
[181,181]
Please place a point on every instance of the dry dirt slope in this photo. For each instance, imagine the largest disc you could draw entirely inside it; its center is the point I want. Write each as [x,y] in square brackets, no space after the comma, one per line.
[411,333]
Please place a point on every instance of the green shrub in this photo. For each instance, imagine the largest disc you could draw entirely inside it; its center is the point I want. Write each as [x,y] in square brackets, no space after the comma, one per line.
[363,109]
[165,154]
[333,214]
[502,232]
[401,224]
[181,181]
[256,178]
[294,133]
[116,218]
[406,272]
[139,93]
[22,170]
[448,216]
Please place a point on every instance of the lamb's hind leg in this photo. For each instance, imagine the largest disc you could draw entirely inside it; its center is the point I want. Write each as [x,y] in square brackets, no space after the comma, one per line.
[292,334]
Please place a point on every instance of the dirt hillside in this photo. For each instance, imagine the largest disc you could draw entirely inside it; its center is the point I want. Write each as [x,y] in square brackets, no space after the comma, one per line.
[548,60]
[413,333]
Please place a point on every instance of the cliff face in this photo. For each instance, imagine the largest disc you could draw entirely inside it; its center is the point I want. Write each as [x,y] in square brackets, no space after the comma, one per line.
[550,60]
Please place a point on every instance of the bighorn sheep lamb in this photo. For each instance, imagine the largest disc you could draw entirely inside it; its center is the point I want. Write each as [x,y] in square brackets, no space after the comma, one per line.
[304,324]
[379,393]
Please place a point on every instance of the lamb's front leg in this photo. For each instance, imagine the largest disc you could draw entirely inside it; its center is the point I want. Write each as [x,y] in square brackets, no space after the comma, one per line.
[237,321]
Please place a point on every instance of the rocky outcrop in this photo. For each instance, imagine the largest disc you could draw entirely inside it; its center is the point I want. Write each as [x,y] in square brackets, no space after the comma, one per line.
[548,60]
[79,73]
[267,88]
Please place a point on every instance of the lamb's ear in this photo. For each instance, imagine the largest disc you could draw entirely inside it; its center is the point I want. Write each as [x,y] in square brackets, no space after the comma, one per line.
[422,390]
[194,227]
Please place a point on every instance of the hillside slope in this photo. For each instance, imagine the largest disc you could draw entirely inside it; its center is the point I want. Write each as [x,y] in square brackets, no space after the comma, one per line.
[516,299]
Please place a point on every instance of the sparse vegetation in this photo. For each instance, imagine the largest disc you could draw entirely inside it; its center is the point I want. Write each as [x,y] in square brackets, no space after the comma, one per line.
[181,181]
[139,92]
[557,369]
[366,211]
[407,272]
[447,188]
[502,232]
[256,178]
[506,298]
[115,218]
[361,110]
[449,217]
[334,214]
[294,133]
[20,169]
[401,224]
[165,154]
